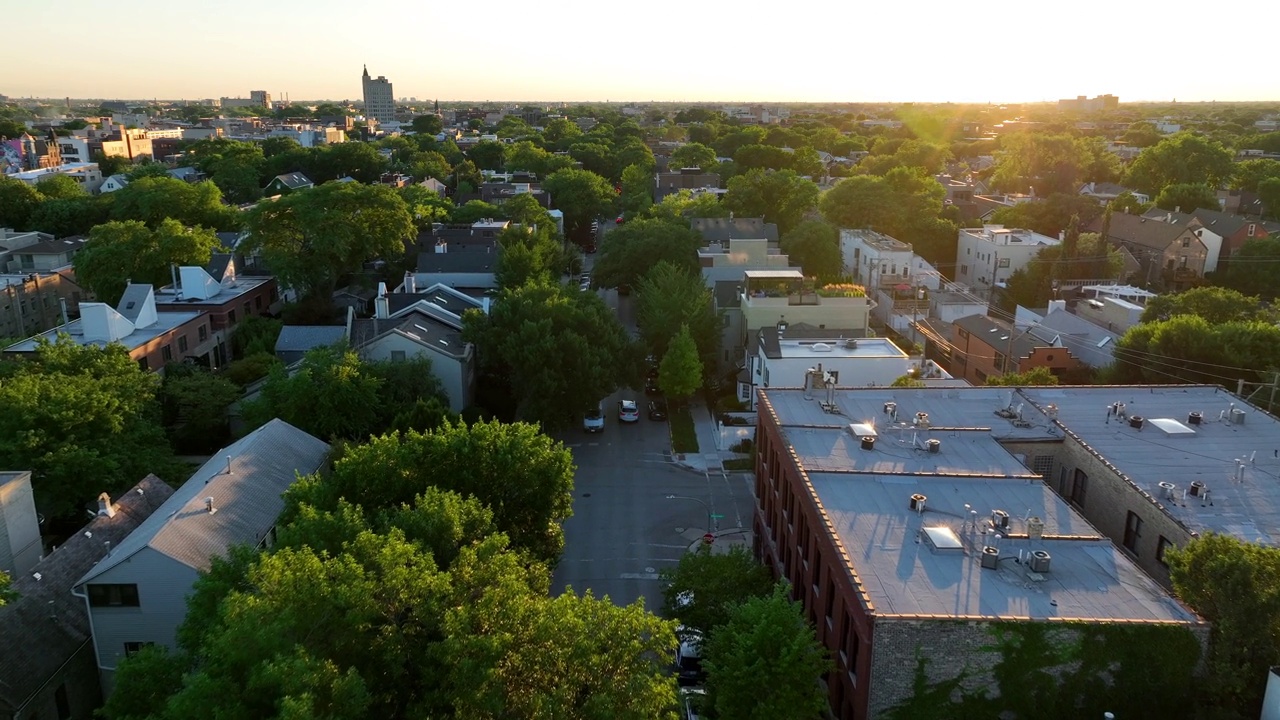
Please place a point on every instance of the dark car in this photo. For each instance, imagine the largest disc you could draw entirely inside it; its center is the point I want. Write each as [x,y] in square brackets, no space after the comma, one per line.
[657,410]
[651,386]
[624,289]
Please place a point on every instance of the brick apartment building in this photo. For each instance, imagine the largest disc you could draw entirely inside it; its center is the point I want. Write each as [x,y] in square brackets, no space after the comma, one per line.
[909,522]
[982,347]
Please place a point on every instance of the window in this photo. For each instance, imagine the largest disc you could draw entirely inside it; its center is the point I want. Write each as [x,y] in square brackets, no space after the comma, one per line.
[247,309]
[397,356]
[257,303]
[113,595]
[1000,360]
[144,364]
[132,647]
[1132,531]
[231,314]
[182,343]
[203,333]
[1252,228]
[1186,242]
[1182,261]
[830,601]
[1079,488]
[849,648]
[964,269]
[1042,465]
[981,376]
[166,353]
[1162,545]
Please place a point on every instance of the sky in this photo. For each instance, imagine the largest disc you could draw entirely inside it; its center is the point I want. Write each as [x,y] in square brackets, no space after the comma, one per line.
[659,50]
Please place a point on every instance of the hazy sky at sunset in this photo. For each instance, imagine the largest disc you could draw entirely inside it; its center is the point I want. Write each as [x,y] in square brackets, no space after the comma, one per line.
[805,50]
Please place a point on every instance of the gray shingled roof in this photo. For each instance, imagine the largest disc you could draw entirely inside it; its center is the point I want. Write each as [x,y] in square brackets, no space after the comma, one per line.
[457,262]
[1139,230]
[300,338]
[46,625]
[133,300]
[264,464]
[294,180]
[723,230]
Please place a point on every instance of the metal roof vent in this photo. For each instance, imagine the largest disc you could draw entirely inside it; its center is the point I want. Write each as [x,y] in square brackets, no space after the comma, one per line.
[1168,491]
[1236,416]
[917,502]
[1035,527]
[942,539]
[208,505]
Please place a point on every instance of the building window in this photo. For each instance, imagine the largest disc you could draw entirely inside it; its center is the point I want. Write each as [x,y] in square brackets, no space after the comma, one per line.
[247,309]
[144,364]
[203,333]
[849,648]
[1079,488]
[1042,465]
[166,353]
[231,314]
[964,269]
[1162,545]
[830,602]
[1252,229]
[1000,361]
[1182,261]
[182,343]
[1186,242]
[981,376]
[257,303]
[1132,531]
[113,595]
[132,647]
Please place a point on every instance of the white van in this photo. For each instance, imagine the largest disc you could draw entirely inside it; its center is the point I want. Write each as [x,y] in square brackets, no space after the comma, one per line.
[593,420]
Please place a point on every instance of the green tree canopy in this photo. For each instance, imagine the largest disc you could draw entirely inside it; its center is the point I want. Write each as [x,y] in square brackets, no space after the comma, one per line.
[1052,163]
[669,298]
[118,252]
[1090,258]
[427,124]
[680,371]
[1187,197]
[905,204]
[1255,267]
[581,195]
[1034,376]
[1191,349]
[487,155]
[111,439]
[630,251]
[152,200]
[331,396]
[1049,216]
[781,197]
[1214,304]
[61,187]
[682,206]
[765,662]
[815,246]
[692,155]
[311,238]
[18,201]
[1181,158]
[703,589]
[194,406]
[1251,172]
[540,320]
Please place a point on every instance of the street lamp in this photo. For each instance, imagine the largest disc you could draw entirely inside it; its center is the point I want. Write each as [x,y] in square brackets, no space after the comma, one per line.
[703,503]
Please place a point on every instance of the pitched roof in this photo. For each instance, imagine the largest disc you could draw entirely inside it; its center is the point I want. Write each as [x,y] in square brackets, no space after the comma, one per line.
[55,246]
[248,500]
[134,301]
[420,326]
[293,180]
[1139,230]
[300,338]
[219,263]
[457,262]
[1094,345]
[1221,223]
[722,230]
[997,334]
[46,624]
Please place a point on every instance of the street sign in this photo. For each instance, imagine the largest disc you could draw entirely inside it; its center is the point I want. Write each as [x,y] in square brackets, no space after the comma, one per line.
[717,517]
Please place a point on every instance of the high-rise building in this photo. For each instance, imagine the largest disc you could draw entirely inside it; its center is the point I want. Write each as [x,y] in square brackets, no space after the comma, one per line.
[379,102]
[261,97]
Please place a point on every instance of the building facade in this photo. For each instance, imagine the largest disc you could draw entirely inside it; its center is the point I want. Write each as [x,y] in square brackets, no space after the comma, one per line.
[987,256]
[379,100]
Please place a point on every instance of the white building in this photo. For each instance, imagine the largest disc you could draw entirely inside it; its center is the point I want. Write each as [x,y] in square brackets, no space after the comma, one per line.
[987,256]
[875,260]
[379,100]
[87,174]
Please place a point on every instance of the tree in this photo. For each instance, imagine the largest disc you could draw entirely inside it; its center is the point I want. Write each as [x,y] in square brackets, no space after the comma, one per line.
[309,239]
[815,246]
[332,395]
[765,662]
[669,298]
[905,204]
[194,406]
[1052,163]
[145,680]
[1191,349]
[680,207]
[152,200]
[680,372]
[1251,172]
[1092,258]
[1215,304]
[18,201]
[781,197]
[1187,197]
[525,210]
[1255,268]
[427,124]
[693,155]
[1049,216]
[1234,585]
[581,195]
[475,211]
[1269,194]
[522,475]
[704,587]
[630,251]
[1034,376]
[637,194]
[119,252]
[70,216]
[1181,158]
[1127,202]
[541,320]
[527,254]
[487,155]
[280,145]
[111,439]
[61,187]
[7,595]
[560,129]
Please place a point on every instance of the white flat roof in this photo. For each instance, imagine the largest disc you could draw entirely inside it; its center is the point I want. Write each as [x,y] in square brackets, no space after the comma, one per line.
[836,348]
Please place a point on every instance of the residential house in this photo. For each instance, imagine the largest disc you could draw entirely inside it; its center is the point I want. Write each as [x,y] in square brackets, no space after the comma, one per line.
[408,324]
[187,174]
[722,230]
[1105,192]
[769,297]
[1222,233]
[113,183]
[1093,344]
[289,182]
[47,255]
[880,507]
[295,341]
[47,664]
[498,193]
[470,265]
[152,338]
[87,174]
[137,594]
[435,186]
[672,182]
[359,299]
[225,295]
[20,547]
[983,347]
[34,302]
[987,256]
[1169,254]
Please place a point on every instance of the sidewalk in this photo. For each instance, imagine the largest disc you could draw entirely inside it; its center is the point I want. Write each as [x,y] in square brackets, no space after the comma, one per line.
[724,541]
[711,455]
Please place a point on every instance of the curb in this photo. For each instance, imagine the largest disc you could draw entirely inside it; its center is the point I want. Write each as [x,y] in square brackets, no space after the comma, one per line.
[693,546]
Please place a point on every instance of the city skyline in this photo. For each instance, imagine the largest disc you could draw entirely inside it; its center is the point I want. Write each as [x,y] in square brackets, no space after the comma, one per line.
[818,52]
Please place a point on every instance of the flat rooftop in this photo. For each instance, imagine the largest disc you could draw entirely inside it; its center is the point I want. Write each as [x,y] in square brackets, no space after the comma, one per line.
[838,348]
[902,574]
[243,285]
[1245,504]
[165,322]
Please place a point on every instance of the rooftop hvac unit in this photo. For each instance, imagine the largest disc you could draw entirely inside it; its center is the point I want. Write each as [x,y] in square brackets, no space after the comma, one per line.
[1194,418]
[1035,527]
[1038,561]
[990,558]
[1196,489]
[1236,416]
[999,519]
[917,502]
[1168,491]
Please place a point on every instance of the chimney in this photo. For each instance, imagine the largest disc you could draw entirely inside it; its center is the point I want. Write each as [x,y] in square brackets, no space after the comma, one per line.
[208,505]
[105,508]
[229,470]
[410,286]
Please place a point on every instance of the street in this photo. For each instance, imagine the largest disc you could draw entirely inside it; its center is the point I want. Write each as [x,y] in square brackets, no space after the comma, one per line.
[624,529]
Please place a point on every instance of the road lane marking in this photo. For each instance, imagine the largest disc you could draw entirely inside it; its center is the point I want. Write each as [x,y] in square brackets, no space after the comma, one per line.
[639,576]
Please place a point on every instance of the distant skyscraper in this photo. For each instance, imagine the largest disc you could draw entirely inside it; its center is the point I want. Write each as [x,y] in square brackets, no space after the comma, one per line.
[379,102]
[260,97]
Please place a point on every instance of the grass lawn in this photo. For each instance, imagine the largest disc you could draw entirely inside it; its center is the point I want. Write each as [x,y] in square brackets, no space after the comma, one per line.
[684,439]
[740,465]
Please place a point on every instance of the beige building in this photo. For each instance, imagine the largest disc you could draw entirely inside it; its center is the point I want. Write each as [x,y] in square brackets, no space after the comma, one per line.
[379,101]
[770,297]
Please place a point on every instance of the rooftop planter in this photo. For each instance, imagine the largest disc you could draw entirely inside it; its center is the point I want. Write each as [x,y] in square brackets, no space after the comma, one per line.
[842,290]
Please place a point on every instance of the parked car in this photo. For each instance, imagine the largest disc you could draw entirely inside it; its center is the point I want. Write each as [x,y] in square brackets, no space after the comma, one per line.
[593,420]
[589,248]
[689,657]
[657,410]
[628,412]
[624,289]
[691,702]
[651,386]
[620,220]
